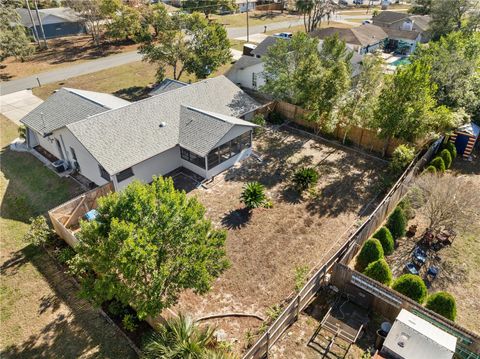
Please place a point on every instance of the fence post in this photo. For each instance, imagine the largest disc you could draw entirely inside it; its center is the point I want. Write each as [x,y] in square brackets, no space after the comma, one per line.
[268,343]
[297,311]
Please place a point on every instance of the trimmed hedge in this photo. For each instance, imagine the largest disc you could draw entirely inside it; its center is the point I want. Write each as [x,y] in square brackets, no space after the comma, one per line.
[439,164]
[412,286]
[401,158]
[447,158]
[431,169]
[397,223]
[379,271]
[452,149]
[444,304]
[386,239]
[371,251]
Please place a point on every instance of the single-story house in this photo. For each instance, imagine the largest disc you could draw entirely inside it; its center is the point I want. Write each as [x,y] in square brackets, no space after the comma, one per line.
[57,22]
[404,22]
[361,39]
[202,127]
[242,5]
[412,337]
[402,41]
[247,72]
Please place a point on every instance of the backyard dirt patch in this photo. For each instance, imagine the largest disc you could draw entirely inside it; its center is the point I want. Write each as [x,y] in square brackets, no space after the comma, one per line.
[61,52]
[458,263]
[265,246]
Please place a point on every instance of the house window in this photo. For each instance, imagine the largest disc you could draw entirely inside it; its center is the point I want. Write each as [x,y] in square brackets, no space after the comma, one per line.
[103,173]
[122,176]
[229,149]
[254,80]
[192,158]
[74,155]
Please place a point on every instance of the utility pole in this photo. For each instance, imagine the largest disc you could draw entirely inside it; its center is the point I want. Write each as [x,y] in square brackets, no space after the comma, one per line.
[248,30]
[40,23]
[34,28]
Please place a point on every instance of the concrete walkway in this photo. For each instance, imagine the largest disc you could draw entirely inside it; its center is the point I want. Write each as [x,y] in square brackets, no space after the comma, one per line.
[16,105]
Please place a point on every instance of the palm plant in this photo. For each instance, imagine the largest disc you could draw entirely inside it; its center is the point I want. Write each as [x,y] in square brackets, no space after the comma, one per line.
[253,195]
[304,178]
[181,338]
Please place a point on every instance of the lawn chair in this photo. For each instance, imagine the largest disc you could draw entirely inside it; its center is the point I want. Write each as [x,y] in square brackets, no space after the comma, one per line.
[446,237]
[428,237]
[432,272]
[412,230]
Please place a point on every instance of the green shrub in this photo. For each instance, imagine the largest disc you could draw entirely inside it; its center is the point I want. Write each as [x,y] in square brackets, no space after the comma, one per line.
[444,304]
[130,322]
[452,149]
[22,132]
[397,223]
[406,205]
[275,118]
[431,169]
[439,164]
[379,271]
[401,158]
[253,195]
[371,251]
[260,121]
[412,286]
[304,178]
[117,309]
[300,277]
[386,239]
[65,254]
[39,232]
[447,158]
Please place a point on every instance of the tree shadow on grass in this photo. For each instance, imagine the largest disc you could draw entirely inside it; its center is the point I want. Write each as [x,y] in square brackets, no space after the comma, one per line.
[237,218]
[80,332]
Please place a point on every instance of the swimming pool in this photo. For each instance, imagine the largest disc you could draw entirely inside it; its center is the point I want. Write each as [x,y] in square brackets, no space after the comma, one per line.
[401,61]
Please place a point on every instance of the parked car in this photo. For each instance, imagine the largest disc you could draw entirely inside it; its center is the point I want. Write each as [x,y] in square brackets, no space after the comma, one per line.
[284,35]
[343,3]
[358,2]
[411,268]
[366,22]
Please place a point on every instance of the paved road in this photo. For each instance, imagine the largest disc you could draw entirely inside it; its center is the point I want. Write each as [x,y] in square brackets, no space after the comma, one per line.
[128,57]
[68,72]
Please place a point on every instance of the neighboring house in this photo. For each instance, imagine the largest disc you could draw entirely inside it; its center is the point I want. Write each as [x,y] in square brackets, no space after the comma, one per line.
[57,22]
[403,22]
[247,72]
[362,39]
[412,337]
[202,127]
[401,41]
[242,5]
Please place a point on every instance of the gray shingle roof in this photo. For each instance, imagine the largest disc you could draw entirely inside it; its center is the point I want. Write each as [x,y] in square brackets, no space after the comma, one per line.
[246,61]
[262,47]
[389,17]
[401,34]
[362,35]
[64,13]
[67,106]
[167,85]
[121,138]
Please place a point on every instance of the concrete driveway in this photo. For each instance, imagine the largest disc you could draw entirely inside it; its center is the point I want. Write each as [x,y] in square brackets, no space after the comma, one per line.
[16,105]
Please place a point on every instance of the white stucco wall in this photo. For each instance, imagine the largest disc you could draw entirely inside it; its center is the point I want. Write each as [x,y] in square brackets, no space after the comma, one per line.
[48,143]
[88,164]
[229,163]
[158,165]
[188,165]
[243,77]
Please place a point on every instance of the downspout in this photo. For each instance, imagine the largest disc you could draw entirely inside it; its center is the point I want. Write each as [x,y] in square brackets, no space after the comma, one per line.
[115,182]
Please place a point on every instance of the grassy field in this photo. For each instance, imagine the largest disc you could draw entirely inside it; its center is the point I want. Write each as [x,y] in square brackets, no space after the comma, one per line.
[40,313]
[301,28]
[126,81]
[254,18]
[62,52]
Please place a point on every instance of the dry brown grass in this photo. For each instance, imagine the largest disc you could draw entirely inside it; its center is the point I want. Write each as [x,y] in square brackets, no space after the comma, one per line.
[62,52]
[266,245]
[41,315]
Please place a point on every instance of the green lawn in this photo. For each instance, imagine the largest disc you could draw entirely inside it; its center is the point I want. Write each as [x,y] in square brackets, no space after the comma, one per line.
[254,18]
[127,81]
[40,313]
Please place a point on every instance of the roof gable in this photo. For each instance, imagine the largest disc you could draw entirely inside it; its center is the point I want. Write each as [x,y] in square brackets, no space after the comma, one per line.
[68,106]
[167,85]
[389,17]
[134,131]
[362,35]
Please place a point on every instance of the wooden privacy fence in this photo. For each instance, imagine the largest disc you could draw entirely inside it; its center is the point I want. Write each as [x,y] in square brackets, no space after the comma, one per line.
[343,255]
[366,139]
[388,303]
[65,218]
